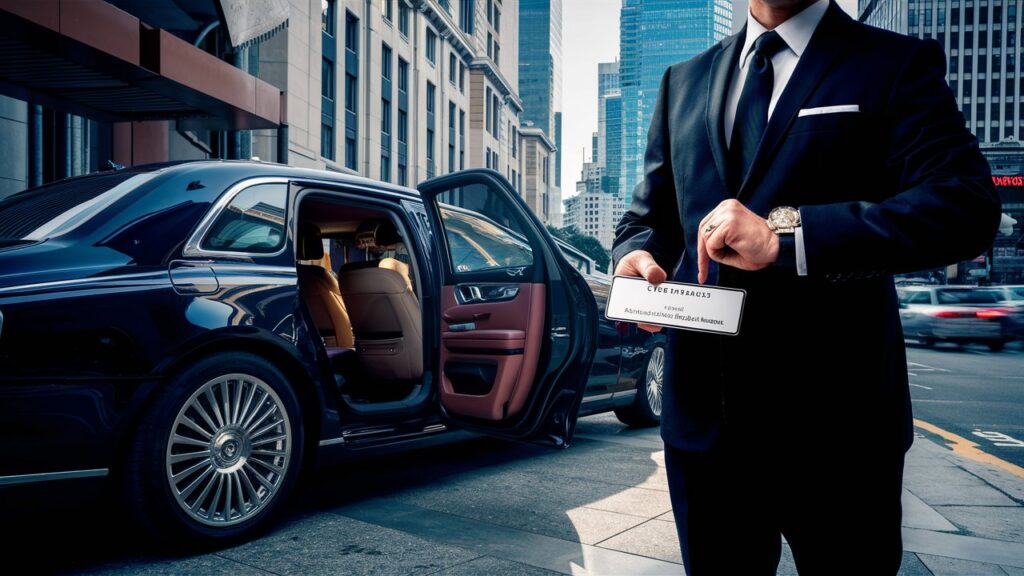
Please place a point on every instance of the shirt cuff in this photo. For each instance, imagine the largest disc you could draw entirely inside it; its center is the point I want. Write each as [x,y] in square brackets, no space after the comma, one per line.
[801,253]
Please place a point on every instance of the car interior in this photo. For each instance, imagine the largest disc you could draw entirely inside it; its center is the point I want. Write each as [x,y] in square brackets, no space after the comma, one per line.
[356,277]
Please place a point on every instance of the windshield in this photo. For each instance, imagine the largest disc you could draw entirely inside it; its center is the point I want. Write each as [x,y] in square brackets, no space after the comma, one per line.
[56,209]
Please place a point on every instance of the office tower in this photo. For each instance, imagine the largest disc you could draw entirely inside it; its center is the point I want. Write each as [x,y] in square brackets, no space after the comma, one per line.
[654,34]
[540,73]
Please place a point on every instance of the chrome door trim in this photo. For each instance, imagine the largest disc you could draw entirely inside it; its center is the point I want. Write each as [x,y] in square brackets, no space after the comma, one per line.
[47,476]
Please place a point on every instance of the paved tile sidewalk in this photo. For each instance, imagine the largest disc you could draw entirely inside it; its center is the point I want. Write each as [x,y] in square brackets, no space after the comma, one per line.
[499,508]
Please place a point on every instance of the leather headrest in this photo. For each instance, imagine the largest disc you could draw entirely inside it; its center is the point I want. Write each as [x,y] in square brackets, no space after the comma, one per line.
[377,234]
[311,245]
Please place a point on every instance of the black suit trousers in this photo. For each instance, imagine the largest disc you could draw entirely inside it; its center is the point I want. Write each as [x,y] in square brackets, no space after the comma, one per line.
[839,511]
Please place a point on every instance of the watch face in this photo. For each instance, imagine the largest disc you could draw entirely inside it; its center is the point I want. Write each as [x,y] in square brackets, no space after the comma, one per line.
[785,217]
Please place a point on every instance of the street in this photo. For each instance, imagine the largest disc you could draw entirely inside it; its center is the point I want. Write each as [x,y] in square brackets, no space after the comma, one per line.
[973,393]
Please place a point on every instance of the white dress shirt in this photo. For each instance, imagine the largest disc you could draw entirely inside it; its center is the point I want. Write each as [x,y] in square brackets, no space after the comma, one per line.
[796,32]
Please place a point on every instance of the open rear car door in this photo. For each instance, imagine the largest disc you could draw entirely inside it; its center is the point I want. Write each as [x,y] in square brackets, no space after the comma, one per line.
[518,323]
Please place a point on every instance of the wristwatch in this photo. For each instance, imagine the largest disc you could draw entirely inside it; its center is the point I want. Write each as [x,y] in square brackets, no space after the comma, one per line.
[784,220]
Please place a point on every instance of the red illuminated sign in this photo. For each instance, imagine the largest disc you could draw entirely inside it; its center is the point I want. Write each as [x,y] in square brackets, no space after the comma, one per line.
[1009,181]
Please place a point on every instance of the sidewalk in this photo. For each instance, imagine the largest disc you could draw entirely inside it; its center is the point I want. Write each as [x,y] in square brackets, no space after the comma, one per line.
[484,506]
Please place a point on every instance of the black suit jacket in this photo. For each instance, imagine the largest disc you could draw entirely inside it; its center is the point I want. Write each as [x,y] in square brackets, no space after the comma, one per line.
[896,187]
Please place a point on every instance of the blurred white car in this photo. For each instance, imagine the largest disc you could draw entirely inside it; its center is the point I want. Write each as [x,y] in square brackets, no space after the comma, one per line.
[958,314]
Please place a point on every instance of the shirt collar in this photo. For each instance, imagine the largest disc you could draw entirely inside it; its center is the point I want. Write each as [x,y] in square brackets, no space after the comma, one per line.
[796,31]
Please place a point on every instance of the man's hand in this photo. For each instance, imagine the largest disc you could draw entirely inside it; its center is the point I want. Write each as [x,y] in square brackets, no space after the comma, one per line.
[640,263]
[733,235]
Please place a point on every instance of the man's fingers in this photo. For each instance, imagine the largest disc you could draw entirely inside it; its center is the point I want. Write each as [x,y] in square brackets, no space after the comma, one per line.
[652,272]
[703,260]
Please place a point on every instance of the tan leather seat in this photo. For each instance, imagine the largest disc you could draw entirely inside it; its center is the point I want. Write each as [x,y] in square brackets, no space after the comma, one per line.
[398,266]
[319,289]
[384,309]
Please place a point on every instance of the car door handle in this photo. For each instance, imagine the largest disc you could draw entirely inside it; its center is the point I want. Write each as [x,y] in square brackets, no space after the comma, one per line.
[474,293]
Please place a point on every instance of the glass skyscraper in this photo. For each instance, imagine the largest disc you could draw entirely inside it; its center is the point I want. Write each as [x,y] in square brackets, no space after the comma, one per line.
[654,34]
[540,70]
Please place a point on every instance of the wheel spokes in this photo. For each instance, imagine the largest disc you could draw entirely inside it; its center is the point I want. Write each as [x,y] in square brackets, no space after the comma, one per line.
[229,450]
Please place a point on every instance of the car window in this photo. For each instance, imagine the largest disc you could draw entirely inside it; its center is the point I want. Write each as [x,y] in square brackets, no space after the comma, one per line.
[1017,293]
[969,296]
[253,221]
[481,231]
[56,209]
[913,297]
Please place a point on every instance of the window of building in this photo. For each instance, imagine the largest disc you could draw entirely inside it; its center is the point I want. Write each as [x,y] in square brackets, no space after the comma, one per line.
[490,46]
[451,68]
[487,157]
[328,81]
[467,13]
[497,20]
[497,53]
[431,46]
[385,167]
[351,93]
[403,75]
[351,89]
[495,110]
[403,127]
[385,62]
[462,140]
[515,140]
[487,110]
[431,97]
[490,11]
[403,175]
[462,77]
[351,32]
[385,117]
[387,9]
[403,18]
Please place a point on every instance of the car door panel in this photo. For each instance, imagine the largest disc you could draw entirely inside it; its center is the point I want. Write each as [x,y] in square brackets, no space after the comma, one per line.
[506,335]
[518,324]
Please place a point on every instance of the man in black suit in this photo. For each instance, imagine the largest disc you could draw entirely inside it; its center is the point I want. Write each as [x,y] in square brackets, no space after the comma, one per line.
[805,160]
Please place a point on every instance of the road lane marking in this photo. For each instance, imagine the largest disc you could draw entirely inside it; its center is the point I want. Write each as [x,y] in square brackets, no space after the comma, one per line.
[924,367]
[963,447]
[999,439]
[920,386]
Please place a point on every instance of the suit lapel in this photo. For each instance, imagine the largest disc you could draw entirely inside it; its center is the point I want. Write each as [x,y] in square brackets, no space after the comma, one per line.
[826,45]
[723,66]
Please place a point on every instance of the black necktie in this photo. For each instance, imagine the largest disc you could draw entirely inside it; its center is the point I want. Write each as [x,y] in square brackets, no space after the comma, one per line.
[752,110]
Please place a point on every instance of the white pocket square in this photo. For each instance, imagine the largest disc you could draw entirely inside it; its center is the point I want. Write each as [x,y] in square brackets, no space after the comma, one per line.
[829,110]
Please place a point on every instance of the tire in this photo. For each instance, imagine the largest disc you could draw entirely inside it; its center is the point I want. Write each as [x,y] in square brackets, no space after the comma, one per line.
[646,408]
[200,477]
[996,345]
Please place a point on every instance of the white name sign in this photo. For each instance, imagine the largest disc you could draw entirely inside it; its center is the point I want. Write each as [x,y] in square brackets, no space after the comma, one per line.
[676,305]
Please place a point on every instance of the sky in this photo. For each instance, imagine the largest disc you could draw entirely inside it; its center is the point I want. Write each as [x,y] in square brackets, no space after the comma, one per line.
[590,34]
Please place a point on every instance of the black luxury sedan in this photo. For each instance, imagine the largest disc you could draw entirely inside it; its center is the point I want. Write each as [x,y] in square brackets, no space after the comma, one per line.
[195,334]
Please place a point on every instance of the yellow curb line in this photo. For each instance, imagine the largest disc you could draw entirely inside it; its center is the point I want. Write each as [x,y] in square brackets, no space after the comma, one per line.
[963,447]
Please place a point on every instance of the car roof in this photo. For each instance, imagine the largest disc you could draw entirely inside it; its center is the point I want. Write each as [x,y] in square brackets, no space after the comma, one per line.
[247,168]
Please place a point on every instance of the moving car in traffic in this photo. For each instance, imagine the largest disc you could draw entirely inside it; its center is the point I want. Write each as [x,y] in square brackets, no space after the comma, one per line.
[956,314]
[178,329]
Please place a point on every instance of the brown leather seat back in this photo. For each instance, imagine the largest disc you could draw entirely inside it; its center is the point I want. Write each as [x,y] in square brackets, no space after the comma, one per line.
[387,322]
[319,289]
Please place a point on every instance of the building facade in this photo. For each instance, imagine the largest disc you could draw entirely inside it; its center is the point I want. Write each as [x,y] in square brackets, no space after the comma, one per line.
[654,34]
[540,72]
[537,183]
[394,90]
[982,43]
[594,213]
[413,90]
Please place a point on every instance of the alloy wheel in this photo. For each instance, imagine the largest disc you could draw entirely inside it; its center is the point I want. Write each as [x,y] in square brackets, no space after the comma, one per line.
[229,450]
[655,379]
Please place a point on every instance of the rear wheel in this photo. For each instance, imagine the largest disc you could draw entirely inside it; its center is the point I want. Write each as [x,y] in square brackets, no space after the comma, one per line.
[996,345]
[646,408]
[218,452]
